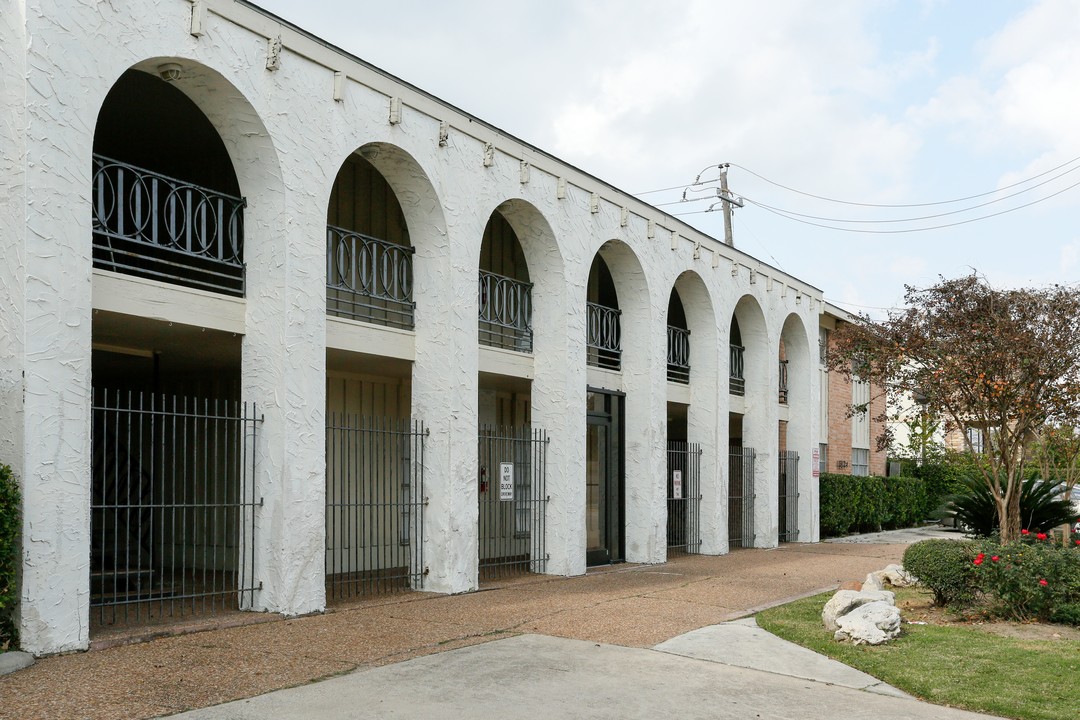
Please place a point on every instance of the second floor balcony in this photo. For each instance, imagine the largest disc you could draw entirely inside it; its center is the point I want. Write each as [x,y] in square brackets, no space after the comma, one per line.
[604,339]
[369,279]
[505,312]
[783,382]
[736,379]
[678,355]
[154,226]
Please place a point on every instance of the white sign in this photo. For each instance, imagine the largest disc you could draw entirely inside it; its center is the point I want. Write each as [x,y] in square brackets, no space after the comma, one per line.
[816,468]
[506,481]
[676,484]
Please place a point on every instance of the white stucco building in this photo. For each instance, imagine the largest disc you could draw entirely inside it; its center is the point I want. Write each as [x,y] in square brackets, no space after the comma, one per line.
[202,204]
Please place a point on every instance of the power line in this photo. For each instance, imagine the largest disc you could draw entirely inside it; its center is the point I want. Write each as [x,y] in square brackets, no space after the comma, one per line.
[907,205]
[910,230]
[913,219]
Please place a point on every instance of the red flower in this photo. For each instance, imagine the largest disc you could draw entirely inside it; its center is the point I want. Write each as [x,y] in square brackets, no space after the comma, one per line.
[1043,582]
[995,558]
[1040,536]
[1025,531]
[978,560]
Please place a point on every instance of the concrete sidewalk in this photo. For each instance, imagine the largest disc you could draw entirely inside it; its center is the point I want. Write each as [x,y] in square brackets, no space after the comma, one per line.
[532,676]
[630,606]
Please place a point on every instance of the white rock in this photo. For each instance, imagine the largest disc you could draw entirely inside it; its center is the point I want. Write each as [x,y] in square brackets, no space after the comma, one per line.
[844,601]
[897,576]
[870,624]
[873,582]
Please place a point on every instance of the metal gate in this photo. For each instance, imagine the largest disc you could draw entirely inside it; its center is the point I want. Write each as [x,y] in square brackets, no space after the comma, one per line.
[374,505]
[788,495]
[741,497]
[513,501]
[684,497]
[172,506]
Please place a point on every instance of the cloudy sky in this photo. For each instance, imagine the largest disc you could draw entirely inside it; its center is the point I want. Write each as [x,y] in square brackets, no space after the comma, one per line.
[875,102]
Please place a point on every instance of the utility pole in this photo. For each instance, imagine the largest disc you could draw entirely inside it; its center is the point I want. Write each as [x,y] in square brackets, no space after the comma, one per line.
[728,201]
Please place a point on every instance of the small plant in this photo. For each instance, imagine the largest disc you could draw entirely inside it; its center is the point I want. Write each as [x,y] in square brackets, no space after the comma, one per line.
[945,567]
[1034,578]
[1041,507]
[10,529]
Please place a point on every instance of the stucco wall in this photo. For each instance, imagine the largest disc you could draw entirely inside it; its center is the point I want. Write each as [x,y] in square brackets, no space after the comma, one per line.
[287,136]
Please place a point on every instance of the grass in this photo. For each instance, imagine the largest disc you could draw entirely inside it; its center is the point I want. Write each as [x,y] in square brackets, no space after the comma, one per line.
[953,665]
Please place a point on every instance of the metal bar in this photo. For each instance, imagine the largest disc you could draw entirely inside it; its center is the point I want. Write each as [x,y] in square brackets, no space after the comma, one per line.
[604,336]
[678,354]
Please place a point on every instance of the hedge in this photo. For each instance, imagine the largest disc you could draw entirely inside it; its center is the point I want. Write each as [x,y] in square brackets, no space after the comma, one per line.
[10,530]
[869,504]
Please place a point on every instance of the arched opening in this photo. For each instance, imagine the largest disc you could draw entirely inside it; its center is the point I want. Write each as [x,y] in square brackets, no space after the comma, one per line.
[172,491]
[794,465]
[374,489]
[505,293]
[747,431]
[603,319]
[678,341]
[368,254]
[166,200]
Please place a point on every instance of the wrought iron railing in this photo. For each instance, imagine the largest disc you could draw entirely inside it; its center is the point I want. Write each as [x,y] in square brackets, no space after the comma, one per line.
[788,496]
[604,337]
[684,497]
[678,354]
[368,279]
[737,382]
[505,312]
[153,226]
[741,496]
[783,382]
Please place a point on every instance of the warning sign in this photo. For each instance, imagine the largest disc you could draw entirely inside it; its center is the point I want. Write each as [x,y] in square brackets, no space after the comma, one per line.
[506,481]
[816,468]
[676,484]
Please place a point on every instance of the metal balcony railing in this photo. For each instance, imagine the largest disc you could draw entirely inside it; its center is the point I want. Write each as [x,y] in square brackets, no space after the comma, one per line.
[678,355]
[157,227]
[737,381]
[368,279]
[505,312]
[783,382]
[604,337]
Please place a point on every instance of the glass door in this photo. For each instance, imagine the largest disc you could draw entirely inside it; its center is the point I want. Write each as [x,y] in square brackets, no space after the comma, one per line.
[603,480]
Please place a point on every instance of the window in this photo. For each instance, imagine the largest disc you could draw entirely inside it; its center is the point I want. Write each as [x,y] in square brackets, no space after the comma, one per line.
[823,345]
[860,461]
[823,458]
[975,437]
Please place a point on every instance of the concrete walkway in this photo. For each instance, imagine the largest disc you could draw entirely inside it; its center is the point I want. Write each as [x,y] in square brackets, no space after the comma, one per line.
[634,607]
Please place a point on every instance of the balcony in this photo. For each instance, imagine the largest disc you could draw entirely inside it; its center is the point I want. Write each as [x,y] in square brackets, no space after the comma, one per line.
[368,279]
[505,312]
[678,355]
[736,380]
[783,382]
[604,337]
[153,226]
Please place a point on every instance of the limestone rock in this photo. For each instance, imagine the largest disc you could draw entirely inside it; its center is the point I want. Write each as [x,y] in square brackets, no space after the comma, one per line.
[873,582]
[871,624]
[844,601]
[897,576]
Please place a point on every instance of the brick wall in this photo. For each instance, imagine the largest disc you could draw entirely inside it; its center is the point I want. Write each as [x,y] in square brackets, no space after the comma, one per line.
[839,433]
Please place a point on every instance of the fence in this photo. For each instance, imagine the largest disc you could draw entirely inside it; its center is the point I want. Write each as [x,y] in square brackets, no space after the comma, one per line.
[172,506]
[368,279]
[684,497]
[604,341]
[505,312]
[513,500]
[678,355]
[374,505]
[788,496]
[736,379]
[741,496]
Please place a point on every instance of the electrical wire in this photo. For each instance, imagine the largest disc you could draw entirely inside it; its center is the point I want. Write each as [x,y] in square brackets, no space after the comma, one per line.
[907,205]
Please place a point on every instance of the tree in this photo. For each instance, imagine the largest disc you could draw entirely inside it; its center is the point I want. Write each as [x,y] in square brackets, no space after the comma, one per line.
[1004,361]
[1056,455]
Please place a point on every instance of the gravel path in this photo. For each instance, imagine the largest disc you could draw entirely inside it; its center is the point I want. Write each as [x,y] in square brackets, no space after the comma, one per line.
[630,605]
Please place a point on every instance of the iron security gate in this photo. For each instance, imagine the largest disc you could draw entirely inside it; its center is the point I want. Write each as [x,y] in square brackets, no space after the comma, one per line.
[374,505]
[684,496]
[788,494]
[741,497]
[172,506]
[513,501]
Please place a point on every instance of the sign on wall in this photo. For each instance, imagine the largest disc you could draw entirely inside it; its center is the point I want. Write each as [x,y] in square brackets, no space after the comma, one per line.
[676,484]
[506,481]
[816,467]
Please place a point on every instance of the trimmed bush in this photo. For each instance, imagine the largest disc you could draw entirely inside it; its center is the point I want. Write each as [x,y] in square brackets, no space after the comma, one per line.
[868,504]
[1034,578]
[10,529]
[946,567]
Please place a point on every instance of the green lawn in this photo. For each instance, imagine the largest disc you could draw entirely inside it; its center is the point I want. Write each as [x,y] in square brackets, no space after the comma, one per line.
[951,665]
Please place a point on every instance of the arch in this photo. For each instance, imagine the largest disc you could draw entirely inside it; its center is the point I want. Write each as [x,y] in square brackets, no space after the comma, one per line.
[798,437]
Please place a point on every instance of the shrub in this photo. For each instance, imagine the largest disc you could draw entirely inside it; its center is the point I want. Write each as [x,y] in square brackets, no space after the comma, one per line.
[941,477]
[10,529]
[867,504]
[1032,578]
[1041,507]
[945,567]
